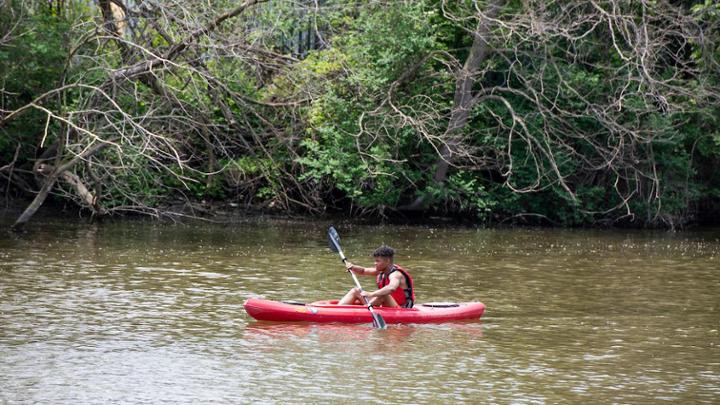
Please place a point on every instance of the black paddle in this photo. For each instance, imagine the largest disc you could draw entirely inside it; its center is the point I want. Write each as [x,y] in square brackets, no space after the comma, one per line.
[334,239]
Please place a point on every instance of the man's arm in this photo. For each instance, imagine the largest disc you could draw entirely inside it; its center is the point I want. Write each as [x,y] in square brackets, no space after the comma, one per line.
[393,284]
[363,271]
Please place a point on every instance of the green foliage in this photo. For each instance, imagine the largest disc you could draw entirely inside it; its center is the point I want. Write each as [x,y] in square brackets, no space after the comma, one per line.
[370,163]
[31,62]
[463,193]
[138,178]
[198,184]
[242,174]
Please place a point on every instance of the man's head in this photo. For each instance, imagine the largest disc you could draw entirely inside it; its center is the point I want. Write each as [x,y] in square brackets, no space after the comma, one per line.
[383,257]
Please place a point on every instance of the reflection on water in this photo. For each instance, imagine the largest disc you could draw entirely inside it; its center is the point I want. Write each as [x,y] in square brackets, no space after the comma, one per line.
[135,312]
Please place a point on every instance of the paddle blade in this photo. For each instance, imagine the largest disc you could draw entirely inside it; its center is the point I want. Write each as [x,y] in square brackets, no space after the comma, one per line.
[334,239]
[378,321]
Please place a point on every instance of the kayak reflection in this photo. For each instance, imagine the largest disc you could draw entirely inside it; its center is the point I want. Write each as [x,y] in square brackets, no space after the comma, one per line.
[268,334]
[327,333]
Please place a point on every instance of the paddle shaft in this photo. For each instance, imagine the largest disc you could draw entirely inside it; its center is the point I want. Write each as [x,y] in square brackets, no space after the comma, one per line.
[357,282]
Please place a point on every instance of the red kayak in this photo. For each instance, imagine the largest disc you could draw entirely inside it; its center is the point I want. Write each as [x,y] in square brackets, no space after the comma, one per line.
[329,311]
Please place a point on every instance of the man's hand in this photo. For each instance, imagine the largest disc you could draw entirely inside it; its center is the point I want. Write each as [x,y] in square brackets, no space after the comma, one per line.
[348,265]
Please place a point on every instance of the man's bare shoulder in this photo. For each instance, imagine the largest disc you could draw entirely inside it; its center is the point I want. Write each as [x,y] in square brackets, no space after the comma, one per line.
[397,275]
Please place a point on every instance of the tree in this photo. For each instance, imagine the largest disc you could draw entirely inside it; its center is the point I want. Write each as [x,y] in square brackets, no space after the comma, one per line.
[577,106]
[141,95]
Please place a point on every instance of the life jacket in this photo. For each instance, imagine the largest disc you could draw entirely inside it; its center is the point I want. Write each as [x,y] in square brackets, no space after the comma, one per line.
[404,297]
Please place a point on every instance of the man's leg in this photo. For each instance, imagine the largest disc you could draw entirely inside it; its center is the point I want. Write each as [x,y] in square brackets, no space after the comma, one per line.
[386,301]
[351,298]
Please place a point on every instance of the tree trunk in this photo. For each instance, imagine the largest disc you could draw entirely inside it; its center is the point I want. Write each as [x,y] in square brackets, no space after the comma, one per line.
[52,175]
[464,101]
[36,203]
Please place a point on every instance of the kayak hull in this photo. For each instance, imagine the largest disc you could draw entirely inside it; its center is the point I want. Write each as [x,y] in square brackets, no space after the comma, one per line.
[329,312]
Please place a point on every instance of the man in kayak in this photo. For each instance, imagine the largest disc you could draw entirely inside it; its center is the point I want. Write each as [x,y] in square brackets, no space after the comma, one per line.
[395,286]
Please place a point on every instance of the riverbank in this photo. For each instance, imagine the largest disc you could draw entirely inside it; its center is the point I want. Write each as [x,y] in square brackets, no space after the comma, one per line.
[218,212]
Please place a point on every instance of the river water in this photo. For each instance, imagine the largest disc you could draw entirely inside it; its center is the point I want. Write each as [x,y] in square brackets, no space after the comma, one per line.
[137,312]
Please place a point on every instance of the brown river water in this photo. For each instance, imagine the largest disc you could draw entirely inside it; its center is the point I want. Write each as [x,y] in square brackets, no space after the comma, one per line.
[140,312]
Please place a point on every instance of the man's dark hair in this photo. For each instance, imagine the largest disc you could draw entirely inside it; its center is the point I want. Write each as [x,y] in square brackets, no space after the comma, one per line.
[384,251]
